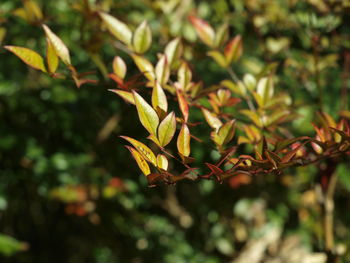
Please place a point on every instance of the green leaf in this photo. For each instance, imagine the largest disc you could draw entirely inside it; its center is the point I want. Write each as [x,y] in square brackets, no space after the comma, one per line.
[218,57]
[147,115]
[212,120]
[221,35]
[183,141]
[119,67]
[142,149]
[10,246]
[141,162]
[51,57]
[28,56]
[204,30]
[265,89]
[159,100]
[142,38]
[144,66]
[162,70]
[58,45]
[184,76]
[162,162]
[167,129]
[173,51]
[117,28]
[225,133]
[126,95]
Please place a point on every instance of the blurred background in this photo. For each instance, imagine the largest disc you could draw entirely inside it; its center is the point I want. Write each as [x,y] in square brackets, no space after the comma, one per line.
[70,192]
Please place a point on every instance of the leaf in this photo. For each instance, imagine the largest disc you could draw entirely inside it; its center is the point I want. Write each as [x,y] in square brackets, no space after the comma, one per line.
[212,120]
[142,38]
[234,49]
[117,28]
[119,67]
[126,95]
[162,162]
[265,89]
[58,45]
[221,35]
[184,76]
[167,129]
[141,162]
[142,149]
[51,57]
[28,56]
[253,116]
[173,50]
[183,141]
[218,57]
[182,104]
[147,115]
[162,70]
[159,100]
[144,66]
[204,30]
[225,133]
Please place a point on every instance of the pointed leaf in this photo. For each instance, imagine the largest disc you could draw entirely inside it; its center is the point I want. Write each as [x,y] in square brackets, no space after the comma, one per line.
[204,30]
[162,162]
[144,66]
[126,95]
[183,141]
[225,133]
[162,70]
[265,89]
[51,57]
[167,129]
[147,115]
[58,45]
[119,67]
[28,56]
[173,50]
[117,28]
[234,49]
[184,76]
[141,162]
[159,100]
[218,57]
[182,104]
[221,35]
[212,120]
[142,38]
[142,149]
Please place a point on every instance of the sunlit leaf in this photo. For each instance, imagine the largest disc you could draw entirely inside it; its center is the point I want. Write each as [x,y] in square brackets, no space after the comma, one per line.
[182,104]
[183,141]
[144,66]
[173,50]
[234,49]
[204,30]
[167,129]
[184,75]
[218,57]
[225,133]
[265,89]
[221,35]
[119,29]
[51,57]
[28,56]
[147,114]
[162,70]
[142,149]
[159,100]
[141,162]
[212,120]
[126,95]
[253,116]
[119,67]
[58,45]
[162,162]
[142,38]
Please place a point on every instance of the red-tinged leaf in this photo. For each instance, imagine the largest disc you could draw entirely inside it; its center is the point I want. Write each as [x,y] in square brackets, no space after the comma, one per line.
[162,162]
[226,154]
[119,81]
[204,30]
[225,133]
[291,153]
[281,145]
[58,45]
[184,76]
[162,70]
[153,179]
[167,129]
[147,115]
[182,104]
[233,101]
[239,179]
[144,66]
[119,67]
[51,57]
[183,141]
[159,100]
[126,95]
[211,119]
[173,51]
[271,159]
[142,38]
[234,49]
[28,56]
[141,162]
[142,149]
[79,82]
[218,57]
[117,28]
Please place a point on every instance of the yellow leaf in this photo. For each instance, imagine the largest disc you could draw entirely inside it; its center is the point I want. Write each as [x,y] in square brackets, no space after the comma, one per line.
[119,67]
[162,162]
[212,120]
[183,141]
[204,30]
[142,38]
[162,70]
[225,133]
[167,129]
[28,56]
[218,57]
[147,115]
[117,28]
[126,95]
[144,66]
[51,57]
[58,45]
[141,162]
[184,76]
[159,100]
[142,149]
[173,50]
